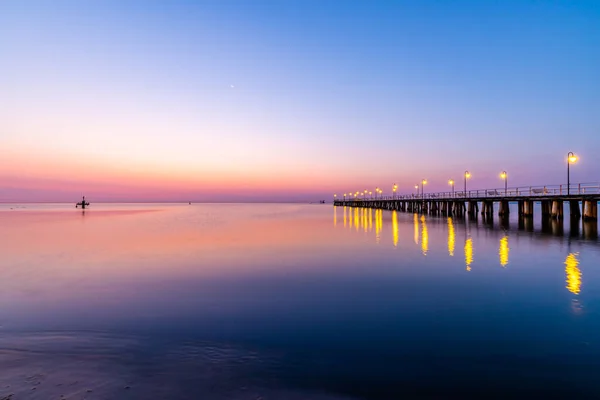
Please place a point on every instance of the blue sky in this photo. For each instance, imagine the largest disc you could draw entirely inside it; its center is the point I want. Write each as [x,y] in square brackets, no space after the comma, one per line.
[302,97]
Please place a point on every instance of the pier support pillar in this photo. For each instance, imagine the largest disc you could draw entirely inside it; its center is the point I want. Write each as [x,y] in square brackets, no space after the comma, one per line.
[521,207]
[472,207]
[503,210]
[557,209]
[546,208]
[463,208]
[528,208]
[590,210]
[574,208]
[487,207]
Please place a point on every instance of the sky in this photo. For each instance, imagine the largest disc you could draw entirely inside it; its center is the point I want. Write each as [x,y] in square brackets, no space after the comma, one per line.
[144,100]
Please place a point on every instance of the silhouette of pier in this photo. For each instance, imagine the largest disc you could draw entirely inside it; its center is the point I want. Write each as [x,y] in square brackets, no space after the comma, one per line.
[581,198]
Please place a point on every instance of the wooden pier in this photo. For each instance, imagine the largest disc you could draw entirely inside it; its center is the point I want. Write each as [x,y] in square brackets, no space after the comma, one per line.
[582,200]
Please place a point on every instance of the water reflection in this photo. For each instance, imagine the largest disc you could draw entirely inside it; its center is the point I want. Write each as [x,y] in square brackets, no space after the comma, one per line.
[363,218]
[395,228]
[451,238]
[424,237]
[416,223]
[274,277]
[469,253]
[573,273]
[503,251]
[334,215]
[345,216]
[378,225]
[576,306]
[590,230]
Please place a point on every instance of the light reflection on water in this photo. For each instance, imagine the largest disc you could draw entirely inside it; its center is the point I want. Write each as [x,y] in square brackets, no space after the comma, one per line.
[573,273]
[395,227]
[375,307]
[424,236]
[416,225]
[504,251]
[469,253]
[451,237]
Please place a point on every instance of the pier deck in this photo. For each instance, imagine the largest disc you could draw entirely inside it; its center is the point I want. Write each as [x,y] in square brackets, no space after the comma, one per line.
[582,199]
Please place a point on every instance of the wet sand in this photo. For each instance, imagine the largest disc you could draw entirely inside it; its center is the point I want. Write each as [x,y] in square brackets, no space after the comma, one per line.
[94,366]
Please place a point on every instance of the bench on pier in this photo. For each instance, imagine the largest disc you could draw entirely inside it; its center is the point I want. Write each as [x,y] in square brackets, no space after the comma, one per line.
[539,191]
[493,193]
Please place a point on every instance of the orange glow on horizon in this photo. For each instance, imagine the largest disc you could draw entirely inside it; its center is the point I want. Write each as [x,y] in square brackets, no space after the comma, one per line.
[56,175]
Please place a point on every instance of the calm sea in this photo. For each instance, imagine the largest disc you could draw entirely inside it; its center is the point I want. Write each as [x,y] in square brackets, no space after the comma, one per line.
[287,301]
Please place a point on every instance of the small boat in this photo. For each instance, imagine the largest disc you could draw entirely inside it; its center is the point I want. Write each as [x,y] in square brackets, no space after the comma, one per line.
[82,203]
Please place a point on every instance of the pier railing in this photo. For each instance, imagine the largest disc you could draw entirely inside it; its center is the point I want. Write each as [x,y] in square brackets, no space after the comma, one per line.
[510,192]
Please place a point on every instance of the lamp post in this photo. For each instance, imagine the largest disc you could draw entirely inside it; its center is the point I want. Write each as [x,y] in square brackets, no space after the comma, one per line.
[417,187]
[376,192]
[334,197]
[451,183]
[571,159]
[394,190]
[467,176]
[423,183]
[344,196]
[504,176]
[370,195]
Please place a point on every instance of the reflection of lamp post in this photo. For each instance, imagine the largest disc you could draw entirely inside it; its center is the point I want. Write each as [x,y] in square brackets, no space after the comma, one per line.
[571,158]
[423,183]
[504,176]
[451,183]
[394,190]
[467,176]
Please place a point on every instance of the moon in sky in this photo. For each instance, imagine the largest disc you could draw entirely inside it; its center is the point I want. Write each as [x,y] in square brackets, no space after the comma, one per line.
[231,86]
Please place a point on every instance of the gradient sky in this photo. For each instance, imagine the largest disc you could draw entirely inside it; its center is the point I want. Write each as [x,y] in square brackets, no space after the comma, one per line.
[292,100]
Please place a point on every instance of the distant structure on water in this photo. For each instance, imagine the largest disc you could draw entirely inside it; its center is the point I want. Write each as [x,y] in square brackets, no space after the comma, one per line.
[82,203]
